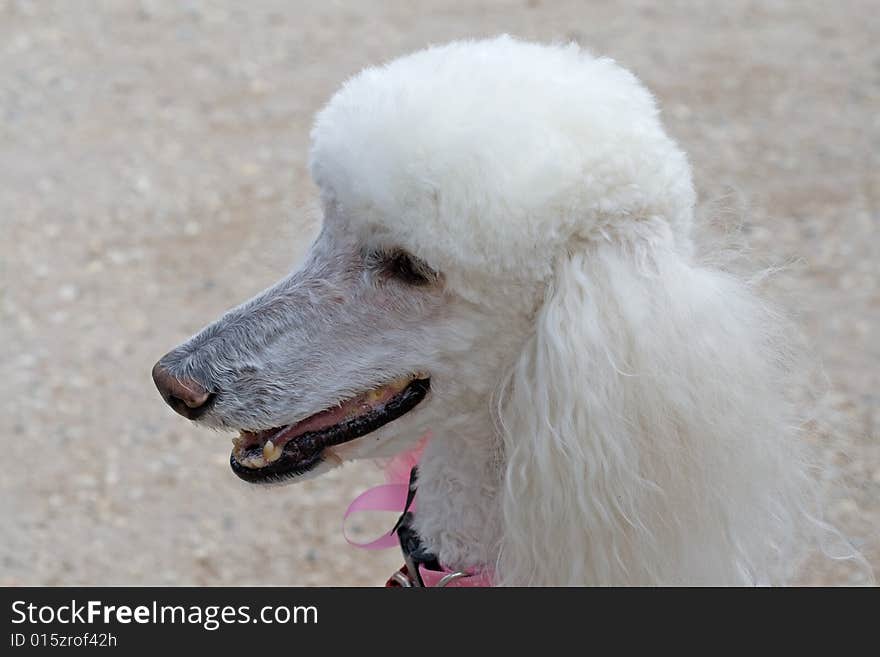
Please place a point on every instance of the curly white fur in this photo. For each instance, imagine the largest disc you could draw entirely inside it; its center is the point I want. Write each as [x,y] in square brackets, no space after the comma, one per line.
[647,433]
[489,157]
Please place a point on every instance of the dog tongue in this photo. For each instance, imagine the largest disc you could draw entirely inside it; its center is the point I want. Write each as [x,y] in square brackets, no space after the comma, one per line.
[321,420]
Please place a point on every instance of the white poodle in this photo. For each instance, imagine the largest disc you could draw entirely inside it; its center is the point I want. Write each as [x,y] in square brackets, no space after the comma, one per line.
[506,261]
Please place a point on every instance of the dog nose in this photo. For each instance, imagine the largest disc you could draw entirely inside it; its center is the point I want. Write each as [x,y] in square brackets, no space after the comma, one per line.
[187,397]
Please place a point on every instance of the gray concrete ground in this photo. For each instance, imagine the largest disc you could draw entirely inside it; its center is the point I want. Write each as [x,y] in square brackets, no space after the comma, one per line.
[152,173]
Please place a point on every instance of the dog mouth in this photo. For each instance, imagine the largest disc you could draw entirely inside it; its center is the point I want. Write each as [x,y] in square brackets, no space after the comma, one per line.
[292,450]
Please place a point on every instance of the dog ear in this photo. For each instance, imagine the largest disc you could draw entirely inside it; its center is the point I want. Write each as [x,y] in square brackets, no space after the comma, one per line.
[646,434]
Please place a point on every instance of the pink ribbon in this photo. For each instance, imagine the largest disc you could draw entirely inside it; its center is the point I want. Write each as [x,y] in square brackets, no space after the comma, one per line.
[388,497]
[391,496]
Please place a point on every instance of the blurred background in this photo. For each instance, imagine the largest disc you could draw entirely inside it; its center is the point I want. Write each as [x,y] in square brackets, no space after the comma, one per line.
[153,174]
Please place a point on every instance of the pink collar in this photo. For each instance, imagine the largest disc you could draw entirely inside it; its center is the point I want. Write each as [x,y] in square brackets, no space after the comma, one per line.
[453,579]
[392,496]
[439,579]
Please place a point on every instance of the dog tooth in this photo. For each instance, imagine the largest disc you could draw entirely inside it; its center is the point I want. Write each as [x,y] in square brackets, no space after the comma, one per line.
[271,452]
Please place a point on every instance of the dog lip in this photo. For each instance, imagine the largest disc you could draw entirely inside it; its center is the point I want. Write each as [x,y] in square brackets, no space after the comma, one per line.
[304,451]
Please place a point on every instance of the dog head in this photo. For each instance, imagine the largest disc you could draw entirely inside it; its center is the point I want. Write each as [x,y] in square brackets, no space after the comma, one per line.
[456,183]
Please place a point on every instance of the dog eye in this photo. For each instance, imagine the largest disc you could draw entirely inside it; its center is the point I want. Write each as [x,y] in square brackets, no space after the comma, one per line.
[404,267]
